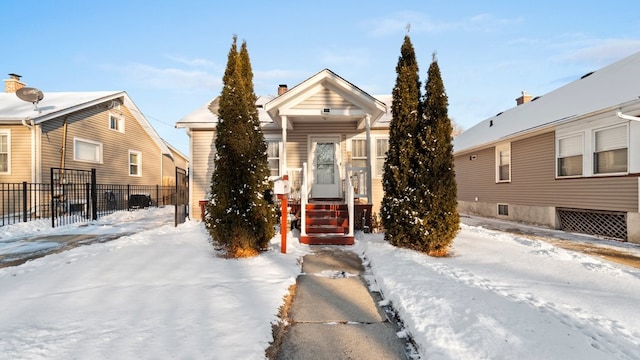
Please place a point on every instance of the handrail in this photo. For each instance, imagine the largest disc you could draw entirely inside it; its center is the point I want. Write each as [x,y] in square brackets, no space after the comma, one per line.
[304,195]
[350,195]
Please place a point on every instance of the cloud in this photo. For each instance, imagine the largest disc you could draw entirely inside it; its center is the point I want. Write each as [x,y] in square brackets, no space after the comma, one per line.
[354,57]
[600,52]
[421,23]
[166,78]
[195,62]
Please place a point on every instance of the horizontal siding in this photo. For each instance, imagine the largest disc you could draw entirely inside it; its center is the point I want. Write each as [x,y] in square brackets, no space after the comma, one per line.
[326,98]
[20,153]
[93,124]
[534,184]
[203,154]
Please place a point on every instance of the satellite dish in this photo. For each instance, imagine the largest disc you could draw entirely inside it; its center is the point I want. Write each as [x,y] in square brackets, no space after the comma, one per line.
[31,95]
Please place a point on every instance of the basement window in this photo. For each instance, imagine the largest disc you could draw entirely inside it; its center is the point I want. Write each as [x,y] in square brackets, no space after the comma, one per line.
[503,210]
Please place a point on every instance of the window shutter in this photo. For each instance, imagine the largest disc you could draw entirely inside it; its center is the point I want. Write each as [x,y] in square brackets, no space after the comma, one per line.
[570,146]
[613,138]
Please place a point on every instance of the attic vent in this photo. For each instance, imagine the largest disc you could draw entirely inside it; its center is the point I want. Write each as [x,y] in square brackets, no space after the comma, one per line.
[326,110]
[587,74]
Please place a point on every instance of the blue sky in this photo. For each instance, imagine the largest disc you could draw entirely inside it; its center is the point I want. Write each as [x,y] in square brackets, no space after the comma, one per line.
[170,55]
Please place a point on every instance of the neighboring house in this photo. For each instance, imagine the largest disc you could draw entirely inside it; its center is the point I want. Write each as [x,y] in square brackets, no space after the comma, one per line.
[569,159]
[325,123]
[180,161]
[81,130]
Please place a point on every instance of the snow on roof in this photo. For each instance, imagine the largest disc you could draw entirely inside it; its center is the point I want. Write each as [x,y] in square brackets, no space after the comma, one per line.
[52,105]
[203,117]
[387,100]
[56,104]
[608,87]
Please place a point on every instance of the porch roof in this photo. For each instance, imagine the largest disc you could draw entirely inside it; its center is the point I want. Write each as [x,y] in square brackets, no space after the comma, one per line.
[314,100]
[295,105]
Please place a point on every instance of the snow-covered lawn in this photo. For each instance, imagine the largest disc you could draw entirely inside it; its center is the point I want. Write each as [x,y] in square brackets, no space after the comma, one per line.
[163,294]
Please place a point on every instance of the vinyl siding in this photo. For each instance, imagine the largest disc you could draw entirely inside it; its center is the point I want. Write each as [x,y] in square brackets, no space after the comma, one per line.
[20,155]
[297,153]
[93,124]
[326,98]
[533,181]
[203,153]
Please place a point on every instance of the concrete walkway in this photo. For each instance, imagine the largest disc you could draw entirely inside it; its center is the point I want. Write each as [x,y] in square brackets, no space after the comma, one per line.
[333,314]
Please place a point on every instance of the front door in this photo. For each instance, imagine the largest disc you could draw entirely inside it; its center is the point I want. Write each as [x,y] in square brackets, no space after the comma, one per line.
[325,177]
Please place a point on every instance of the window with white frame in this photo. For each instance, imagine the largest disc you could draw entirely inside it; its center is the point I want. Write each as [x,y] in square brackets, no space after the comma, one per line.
[273,157]
[87,150]
[570,153]
[5,151]
[503,163]
[503,209]
[382,146]
[359,153]
[116,122]
[610,150]
[135,163]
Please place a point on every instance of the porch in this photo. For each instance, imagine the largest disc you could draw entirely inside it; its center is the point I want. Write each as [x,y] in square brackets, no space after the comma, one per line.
[328,221]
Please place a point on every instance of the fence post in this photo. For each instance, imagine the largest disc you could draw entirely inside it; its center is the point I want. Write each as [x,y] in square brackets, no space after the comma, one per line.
[53,206]
[24,201]
[157,195]
[94,196]
[128,196]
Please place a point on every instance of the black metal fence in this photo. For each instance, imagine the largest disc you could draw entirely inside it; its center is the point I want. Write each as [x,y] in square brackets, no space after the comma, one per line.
[74,196]
[22,202]
[181,196]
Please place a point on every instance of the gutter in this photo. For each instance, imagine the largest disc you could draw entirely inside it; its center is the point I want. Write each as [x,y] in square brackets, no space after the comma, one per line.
[24,123]
[627,117]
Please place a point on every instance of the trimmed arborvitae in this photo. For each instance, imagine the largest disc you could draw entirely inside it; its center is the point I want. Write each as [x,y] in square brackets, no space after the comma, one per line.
[436,202]
[241,218]
[398,179]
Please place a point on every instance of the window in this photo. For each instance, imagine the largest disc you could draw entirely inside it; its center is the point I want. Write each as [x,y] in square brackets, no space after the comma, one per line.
[570,155]
[135,163]
[382,146]
[273,157]
[503,163]
[116,122]
[5,153]
[610,155]
[503,209]
[87,150]
[359,153]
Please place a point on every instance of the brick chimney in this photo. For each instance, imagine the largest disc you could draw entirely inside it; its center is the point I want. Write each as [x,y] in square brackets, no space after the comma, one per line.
[524,98]
[13,84]
[282,88]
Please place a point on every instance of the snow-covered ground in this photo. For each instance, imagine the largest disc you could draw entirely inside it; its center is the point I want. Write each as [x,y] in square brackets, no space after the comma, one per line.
[164,294]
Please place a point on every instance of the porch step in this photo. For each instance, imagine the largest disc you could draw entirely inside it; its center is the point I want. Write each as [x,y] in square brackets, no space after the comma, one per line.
[327,239]
[327,224]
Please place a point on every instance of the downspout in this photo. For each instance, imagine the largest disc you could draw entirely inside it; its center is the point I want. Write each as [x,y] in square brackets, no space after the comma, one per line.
[627,117]
[31,127]
[64,141]
[370,168]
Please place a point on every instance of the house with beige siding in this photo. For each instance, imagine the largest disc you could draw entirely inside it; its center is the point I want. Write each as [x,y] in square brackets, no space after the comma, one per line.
[81,130]
[569,159]
[327,135]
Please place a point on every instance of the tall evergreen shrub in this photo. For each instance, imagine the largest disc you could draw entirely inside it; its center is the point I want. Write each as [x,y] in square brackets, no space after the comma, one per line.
[241,216]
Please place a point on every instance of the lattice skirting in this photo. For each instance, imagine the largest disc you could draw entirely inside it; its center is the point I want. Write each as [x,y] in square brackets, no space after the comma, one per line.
[611,224]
